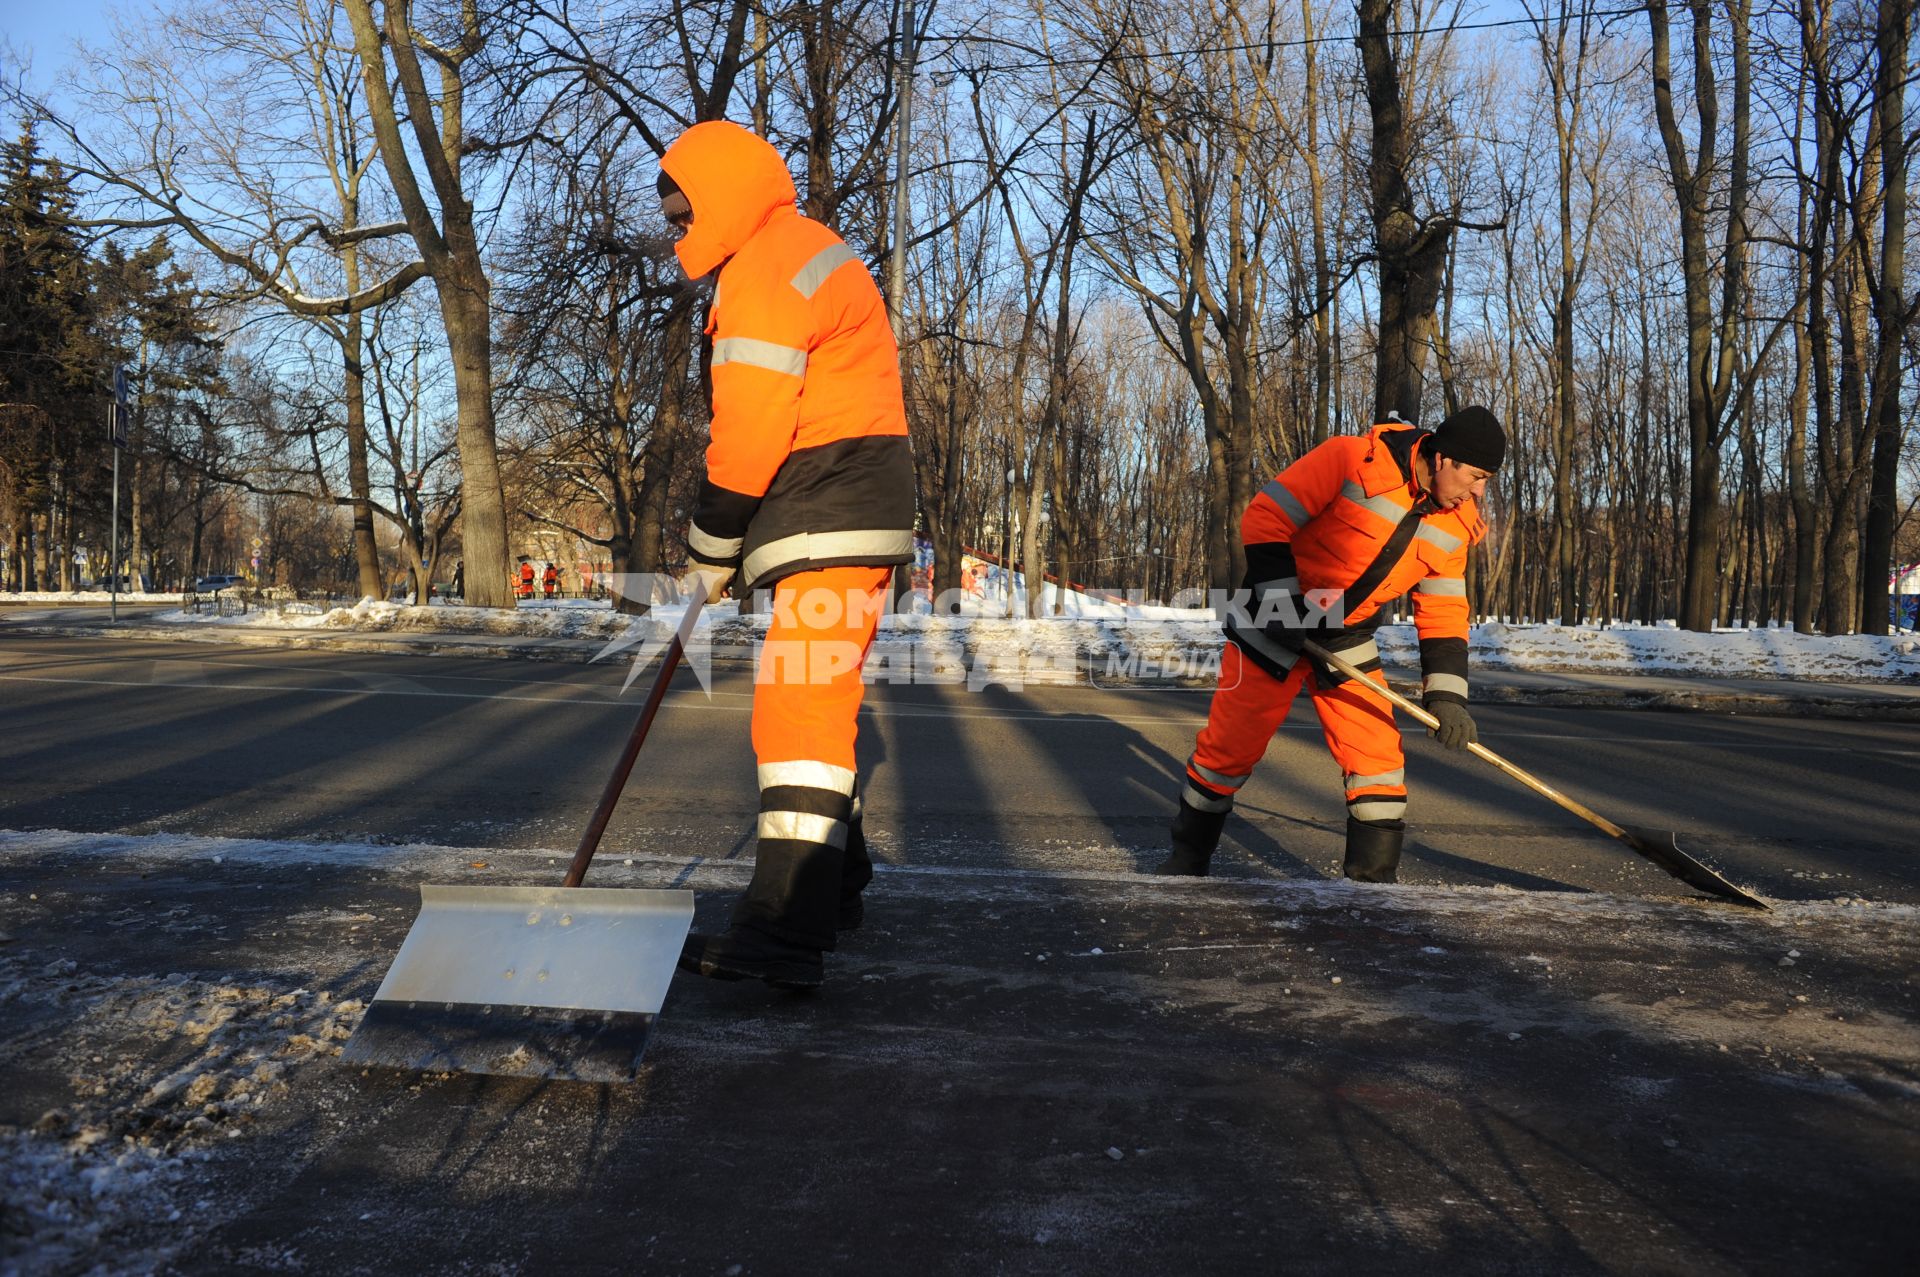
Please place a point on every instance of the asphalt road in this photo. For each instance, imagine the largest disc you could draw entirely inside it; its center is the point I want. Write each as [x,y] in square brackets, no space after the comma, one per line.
[1537,1055]
[101,734]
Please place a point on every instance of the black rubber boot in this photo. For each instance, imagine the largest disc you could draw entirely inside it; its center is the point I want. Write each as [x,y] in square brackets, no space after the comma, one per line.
[782,924]
[1373,850]
[856,871]
[1195,834]
[742,953]
[795,892]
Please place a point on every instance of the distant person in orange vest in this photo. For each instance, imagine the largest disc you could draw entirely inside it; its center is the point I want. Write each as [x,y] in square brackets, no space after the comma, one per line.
[526,579]
[549,580]
[809,492]
[1346,529]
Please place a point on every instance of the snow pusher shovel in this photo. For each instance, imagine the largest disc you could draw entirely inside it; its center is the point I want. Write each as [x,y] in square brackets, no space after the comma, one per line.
[547,982]
[1659,846]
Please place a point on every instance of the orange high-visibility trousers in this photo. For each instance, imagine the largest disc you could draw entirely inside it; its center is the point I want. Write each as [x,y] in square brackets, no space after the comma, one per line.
[807,690]
[1248,707]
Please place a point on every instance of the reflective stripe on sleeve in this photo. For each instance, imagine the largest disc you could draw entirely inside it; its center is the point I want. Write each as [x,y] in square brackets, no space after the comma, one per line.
[1199,800]
[1219,780]
[826,546]
[1445,683]
[821,265]
[760,354]
[1382,505]
[1440,537]
[801,826]
[1288,503]
[1450,586]
[1367,651]
[804,772]
[708,546]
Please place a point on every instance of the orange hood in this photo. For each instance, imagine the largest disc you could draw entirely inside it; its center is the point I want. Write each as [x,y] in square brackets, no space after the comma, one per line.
[736,183]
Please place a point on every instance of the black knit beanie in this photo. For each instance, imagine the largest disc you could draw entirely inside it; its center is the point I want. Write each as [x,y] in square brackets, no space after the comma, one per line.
[1472,437]
[664,186]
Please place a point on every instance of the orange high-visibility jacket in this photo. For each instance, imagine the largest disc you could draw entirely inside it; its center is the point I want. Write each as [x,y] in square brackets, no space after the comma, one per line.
[1324,523]
[809,464]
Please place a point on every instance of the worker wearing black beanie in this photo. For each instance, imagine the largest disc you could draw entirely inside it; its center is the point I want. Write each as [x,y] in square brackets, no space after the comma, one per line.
[1472,437]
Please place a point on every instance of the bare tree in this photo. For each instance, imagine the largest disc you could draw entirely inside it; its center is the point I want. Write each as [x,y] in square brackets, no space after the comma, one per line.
[447,237]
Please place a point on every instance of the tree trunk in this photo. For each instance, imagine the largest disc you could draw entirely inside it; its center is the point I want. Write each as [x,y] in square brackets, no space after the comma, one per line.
[1410,257]
[451,251]
[1710,343]
[483,511]
[366,550]
[1896,20]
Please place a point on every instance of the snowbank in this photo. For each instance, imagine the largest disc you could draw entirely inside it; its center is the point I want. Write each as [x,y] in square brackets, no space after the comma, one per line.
[1123,643]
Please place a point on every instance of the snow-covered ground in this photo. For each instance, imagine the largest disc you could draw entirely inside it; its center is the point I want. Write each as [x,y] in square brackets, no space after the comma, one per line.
[88,596]
[1124,643]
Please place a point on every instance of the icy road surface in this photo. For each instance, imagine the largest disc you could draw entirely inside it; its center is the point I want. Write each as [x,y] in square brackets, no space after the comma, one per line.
[1009,1071]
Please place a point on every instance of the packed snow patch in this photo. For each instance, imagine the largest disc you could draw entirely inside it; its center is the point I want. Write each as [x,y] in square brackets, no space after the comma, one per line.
[165,1069]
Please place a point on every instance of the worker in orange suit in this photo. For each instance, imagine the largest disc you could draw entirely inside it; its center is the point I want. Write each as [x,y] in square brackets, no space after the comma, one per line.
[526,579]
[1354,523]
[809,490]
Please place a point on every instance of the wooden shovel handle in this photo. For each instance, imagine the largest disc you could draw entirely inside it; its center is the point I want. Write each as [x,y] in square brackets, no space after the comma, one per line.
[610,796]
[1478,750]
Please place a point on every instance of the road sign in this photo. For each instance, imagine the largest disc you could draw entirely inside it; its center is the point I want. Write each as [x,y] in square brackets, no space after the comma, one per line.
[120,411]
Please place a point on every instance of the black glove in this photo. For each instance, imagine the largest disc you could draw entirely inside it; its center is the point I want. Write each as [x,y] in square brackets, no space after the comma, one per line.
[1456,729]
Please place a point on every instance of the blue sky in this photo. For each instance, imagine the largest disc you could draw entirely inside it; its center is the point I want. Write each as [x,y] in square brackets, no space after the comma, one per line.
[47,29]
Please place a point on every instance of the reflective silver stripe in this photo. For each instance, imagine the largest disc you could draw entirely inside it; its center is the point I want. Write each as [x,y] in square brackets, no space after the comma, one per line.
[822,546]
[1200,801]
[1452,586]
[1367,651]
[1398,776]
[1378,809]
[1284,657]
[1444,683]
[1381,505]
[823,264]
[812,775]
[1219,780]
[761,354]
[1288,503]
[1445,540]
[803,826]
[1285,585]
[708,546]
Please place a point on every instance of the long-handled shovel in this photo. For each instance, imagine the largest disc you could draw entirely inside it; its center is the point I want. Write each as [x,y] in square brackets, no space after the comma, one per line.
[1661,847]
[549,982]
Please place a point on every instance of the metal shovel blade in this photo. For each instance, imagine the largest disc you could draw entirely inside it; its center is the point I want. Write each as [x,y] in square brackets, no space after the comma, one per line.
[546,982]
[1662,847]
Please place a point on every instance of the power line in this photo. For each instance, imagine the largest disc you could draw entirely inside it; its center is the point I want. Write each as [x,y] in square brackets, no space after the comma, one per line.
[1249,46]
